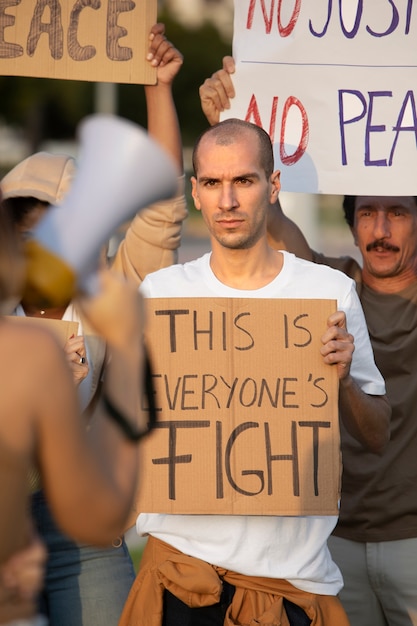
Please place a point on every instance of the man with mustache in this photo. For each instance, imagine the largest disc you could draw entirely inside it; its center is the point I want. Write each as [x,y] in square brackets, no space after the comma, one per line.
[375,540]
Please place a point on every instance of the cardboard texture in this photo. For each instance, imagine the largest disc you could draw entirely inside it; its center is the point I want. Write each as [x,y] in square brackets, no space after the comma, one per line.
[62,329]
[104,41]
[247,410]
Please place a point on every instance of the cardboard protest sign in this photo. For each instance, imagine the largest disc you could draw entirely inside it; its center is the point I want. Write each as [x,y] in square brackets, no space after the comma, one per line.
[61,329]
[95,40]
[334,84]
[247,410]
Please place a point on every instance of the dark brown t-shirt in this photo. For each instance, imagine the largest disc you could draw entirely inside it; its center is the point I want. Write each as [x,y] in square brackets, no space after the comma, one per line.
[379,493]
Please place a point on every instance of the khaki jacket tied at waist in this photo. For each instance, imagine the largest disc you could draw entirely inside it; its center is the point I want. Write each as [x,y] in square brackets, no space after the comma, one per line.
[257,601]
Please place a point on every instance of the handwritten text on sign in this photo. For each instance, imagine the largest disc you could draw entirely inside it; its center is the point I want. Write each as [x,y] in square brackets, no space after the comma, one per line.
[334,83]
[247,410]
[96,40]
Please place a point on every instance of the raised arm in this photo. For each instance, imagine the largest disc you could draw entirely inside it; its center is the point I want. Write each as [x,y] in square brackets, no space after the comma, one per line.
[163,123]
[90,477]
[154,235]
[284,234]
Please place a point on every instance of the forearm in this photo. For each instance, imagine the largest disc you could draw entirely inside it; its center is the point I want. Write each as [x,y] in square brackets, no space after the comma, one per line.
[284,234]
[163,125]
[153,238]
[123,381]
[91,478]
[366,417]
[122,387]
[154,235]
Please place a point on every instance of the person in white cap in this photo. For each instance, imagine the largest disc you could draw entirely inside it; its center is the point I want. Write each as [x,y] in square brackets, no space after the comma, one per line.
[86,585]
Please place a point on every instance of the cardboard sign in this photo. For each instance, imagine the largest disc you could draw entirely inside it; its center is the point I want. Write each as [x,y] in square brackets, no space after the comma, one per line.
[95,40]
[335,86]
[247,410]
[61,329]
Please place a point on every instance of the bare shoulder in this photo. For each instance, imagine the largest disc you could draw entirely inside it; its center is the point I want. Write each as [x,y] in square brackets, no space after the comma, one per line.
[29,352]
[27,338]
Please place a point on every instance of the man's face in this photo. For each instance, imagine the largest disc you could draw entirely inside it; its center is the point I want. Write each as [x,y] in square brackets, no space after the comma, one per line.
[232,192]
[385,230]
[32,219]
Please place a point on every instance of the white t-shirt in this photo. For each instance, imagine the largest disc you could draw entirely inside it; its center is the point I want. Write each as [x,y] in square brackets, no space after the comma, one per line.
[292,548]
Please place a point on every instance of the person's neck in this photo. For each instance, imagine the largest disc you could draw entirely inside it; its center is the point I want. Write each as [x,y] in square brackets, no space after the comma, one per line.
[246,269]
[389,284]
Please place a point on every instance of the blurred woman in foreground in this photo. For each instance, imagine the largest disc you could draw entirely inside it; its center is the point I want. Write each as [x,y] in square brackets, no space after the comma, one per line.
[89,477]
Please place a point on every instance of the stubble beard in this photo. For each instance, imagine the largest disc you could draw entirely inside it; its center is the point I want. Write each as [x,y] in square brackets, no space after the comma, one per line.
[238,240]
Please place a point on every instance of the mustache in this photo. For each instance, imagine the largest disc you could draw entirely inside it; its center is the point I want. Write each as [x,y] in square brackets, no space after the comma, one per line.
[381,243]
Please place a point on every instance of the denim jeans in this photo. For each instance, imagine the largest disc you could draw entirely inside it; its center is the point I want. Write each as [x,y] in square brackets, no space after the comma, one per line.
[84,585]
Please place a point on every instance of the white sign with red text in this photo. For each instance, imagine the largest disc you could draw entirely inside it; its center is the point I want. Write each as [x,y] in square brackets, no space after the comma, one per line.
[335,85]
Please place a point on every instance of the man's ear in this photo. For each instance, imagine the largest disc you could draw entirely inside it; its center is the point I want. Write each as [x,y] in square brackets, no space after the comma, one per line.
[194,193]
[276,185]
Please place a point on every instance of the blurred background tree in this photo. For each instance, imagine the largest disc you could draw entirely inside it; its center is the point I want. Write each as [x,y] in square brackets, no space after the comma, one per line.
[203,49]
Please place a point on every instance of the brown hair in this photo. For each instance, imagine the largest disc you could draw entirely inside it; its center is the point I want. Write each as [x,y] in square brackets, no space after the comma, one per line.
[18,208]
[349,208]
[11,260]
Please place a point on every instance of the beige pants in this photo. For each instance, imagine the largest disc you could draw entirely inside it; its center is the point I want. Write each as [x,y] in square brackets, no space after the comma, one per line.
[380,581]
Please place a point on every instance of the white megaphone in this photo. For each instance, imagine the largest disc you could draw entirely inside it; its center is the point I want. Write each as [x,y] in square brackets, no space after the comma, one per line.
[120,171]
